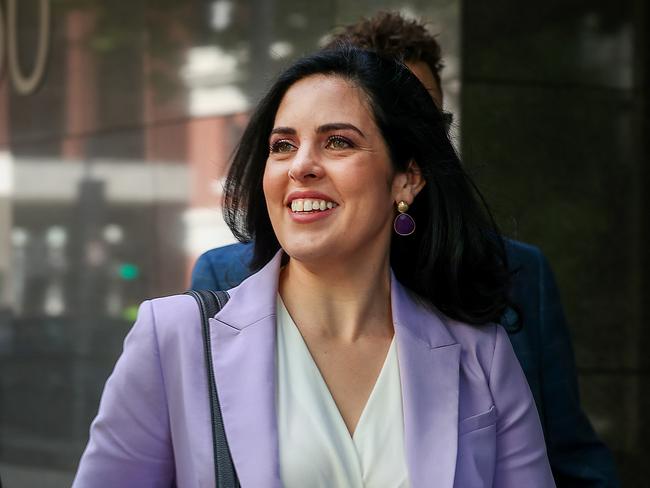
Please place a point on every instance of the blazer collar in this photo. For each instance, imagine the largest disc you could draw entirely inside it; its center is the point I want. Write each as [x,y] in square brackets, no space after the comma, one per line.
[243,337]
[244,362]
[429,362]
[258,292]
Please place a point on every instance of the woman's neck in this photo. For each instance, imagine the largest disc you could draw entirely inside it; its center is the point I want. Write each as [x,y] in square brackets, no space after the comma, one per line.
[342,303]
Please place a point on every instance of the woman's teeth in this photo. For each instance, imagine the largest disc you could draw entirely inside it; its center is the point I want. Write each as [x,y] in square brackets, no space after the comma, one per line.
[310,205]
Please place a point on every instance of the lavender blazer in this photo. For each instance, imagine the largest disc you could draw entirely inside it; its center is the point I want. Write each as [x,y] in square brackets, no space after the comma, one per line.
[469,416]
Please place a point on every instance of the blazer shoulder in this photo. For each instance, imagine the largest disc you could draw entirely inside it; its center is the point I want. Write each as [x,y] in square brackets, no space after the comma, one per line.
[522,247]
[174,317]
[521,254]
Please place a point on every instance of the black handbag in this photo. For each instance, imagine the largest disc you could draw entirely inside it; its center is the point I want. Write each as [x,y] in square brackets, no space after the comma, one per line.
[210,302]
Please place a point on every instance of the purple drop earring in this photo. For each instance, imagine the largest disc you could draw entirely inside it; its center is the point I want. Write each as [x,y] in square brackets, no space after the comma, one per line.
[404,225]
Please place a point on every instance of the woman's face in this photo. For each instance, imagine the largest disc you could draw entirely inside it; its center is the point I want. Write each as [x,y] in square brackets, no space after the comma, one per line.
[329,184]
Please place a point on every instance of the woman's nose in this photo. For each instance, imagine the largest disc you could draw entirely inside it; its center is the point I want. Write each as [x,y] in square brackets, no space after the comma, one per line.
[305,164]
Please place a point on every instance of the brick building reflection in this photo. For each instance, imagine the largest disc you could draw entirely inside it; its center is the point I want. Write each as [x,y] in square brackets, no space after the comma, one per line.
[115,192]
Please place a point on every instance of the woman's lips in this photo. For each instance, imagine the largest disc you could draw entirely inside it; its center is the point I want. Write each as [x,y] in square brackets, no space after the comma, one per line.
[309,204]
[304,195]
[308,217]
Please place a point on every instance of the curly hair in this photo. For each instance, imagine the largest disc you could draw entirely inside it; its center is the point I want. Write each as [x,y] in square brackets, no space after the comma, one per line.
[390,34]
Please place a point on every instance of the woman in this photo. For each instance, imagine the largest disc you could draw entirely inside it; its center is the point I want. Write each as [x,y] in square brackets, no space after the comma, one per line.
[361,353]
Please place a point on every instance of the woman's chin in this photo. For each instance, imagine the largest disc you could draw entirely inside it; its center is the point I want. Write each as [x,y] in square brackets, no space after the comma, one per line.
[311,253]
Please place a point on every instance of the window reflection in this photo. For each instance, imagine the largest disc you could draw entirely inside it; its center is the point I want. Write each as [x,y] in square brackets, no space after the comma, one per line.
[221,14]
[19,241]
[210,74]
[56,239]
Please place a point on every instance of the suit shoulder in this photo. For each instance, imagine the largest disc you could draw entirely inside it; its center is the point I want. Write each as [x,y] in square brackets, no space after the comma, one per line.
[225,254]
[172,304]
[174,316]
[525,256]
[522,249]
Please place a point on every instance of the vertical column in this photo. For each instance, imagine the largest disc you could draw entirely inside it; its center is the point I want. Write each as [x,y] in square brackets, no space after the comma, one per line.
[148,108]
[207,143]
[551,116]
[261,37]
[80,85]
[165,131]
[642,61]
[80,123]
[6,190]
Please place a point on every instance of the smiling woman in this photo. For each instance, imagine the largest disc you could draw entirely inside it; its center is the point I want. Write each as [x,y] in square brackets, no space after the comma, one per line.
[326,148]
[366,126]
[344,142]
[354,356]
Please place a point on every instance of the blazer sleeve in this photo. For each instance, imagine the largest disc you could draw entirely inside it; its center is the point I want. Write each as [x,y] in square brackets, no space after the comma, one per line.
[578,457]
[130,442]
[521,458]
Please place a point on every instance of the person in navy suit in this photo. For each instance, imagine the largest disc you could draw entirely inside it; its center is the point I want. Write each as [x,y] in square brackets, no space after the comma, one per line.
[538,331]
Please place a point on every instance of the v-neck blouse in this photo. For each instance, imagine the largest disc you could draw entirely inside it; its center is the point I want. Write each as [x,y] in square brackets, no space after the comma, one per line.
[315,447]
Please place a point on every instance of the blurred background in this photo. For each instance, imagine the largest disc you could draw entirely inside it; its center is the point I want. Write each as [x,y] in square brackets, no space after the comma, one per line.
[117,120]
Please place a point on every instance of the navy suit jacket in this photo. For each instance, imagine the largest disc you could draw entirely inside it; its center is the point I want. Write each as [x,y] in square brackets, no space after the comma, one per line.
[543,346]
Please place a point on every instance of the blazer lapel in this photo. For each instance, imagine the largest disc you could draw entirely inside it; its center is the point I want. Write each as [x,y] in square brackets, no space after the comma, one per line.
[243,337]
[429,360]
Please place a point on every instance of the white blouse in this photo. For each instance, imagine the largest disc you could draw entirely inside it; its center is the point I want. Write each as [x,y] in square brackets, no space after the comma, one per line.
[316,449]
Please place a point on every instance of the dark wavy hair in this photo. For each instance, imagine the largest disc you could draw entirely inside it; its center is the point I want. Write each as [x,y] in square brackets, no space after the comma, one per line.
[456,258]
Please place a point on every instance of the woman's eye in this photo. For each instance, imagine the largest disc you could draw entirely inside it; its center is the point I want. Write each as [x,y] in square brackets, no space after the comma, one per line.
[281,146]
[338,142]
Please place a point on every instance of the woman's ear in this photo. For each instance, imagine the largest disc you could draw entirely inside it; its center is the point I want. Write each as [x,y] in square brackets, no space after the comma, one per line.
[408,184]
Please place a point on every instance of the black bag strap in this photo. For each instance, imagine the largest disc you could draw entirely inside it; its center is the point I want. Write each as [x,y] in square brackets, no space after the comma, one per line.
[210,302]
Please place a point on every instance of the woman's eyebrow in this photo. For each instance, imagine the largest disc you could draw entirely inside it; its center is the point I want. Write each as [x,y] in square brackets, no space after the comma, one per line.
[284,130]
[339,126]
[321,129]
